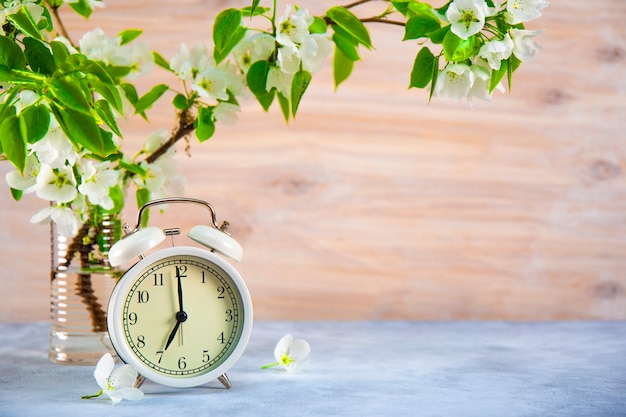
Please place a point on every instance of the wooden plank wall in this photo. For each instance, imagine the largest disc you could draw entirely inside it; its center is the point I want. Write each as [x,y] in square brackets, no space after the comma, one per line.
[374,204]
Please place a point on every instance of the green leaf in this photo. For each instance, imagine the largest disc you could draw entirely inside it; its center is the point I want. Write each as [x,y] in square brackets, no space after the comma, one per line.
[59,52]
[13,144]
[343,18]
[456,49]
[256,11]
[39,56]
[180,102]
[514,64]
[34,122]
[82,7]
[142,195]
[83,131]
[318,26]
[498,75]
[131,93]
[422,72]
[16,194]
[420,27]
[108,91]
[134,168]
[227,33]
[434,78]
[299,84]
[129,35]
[347,43]
[442,10]
[255,4]
[439,35]
[205,126]
[257,82]
[11,55]
[25,23]
[103,109]
[284,106]
[161,61]
[342,67]
[69,92]
[146,101]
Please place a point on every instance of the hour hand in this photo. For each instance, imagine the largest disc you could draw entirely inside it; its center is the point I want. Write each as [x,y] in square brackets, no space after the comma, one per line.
[172,335]
[181,316]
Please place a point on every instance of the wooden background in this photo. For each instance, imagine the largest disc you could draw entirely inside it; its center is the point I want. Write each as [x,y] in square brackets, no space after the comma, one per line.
[374,204]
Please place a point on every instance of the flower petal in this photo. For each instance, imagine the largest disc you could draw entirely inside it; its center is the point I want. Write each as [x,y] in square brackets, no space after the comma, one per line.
[103,370]
[132,394]
[282,346]
[123,377]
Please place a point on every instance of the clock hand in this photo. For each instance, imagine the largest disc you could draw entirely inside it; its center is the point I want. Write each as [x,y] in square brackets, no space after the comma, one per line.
[181,316]
[172,335]
[180,291]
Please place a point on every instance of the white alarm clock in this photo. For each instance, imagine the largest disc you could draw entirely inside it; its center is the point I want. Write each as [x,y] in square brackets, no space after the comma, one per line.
[181,316]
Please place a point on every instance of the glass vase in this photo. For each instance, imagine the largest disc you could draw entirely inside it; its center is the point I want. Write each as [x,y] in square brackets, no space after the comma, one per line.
[81,283]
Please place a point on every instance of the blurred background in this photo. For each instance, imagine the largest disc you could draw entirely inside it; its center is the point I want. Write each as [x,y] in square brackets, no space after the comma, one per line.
[374,203]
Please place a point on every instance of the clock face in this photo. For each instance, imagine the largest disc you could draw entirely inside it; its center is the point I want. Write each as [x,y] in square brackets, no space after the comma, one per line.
[181,317]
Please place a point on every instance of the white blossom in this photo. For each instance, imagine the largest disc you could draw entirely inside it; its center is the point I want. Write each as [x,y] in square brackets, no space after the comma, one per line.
[467,17]
[187,64]
[56,184]
[67,220]
[55,149]
[226,112]
[292,355]
[289,58]
[454,82]
[25,181]
[211,83]
[97,182]
[520,11]
[524,46]
[280,80]
[292,28]
[115,383]
[482,81]
[495,51]
[258,47]
[314,49]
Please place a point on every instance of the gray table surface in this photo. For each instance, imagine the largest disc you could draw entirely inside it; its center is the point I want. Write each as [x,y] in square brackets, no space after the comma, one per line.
[387,368]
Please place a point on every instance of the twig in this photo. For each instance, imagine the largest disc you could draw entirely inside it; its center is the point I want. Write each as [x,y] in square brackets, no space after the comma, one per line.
[57,17]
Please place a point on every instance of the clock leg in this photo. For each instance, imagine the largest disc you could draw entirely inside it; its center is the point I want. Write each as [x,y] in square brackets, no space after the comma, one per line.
[225,381]
[139,381]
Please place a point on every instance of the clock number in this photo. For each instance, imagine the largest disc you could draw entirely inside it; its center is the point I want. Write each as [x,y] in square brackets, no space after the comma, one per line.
[220,291]
[221,338]
[141,341]
[205,356]
[143,297]
[181,271]
[132,319]
[203,278]
[181,363]
[158,280]
[229,315]
[160,355]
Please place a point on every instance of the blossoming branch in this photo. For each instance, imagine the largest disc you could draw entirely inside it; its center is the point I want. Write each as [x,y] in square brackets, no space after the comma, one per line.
[60,101]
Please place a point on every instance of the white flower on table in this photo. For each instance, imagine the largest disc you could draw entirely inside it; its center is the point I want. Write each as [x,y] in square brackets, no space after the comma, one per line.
[115,383]
[520,11]
[292,355]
